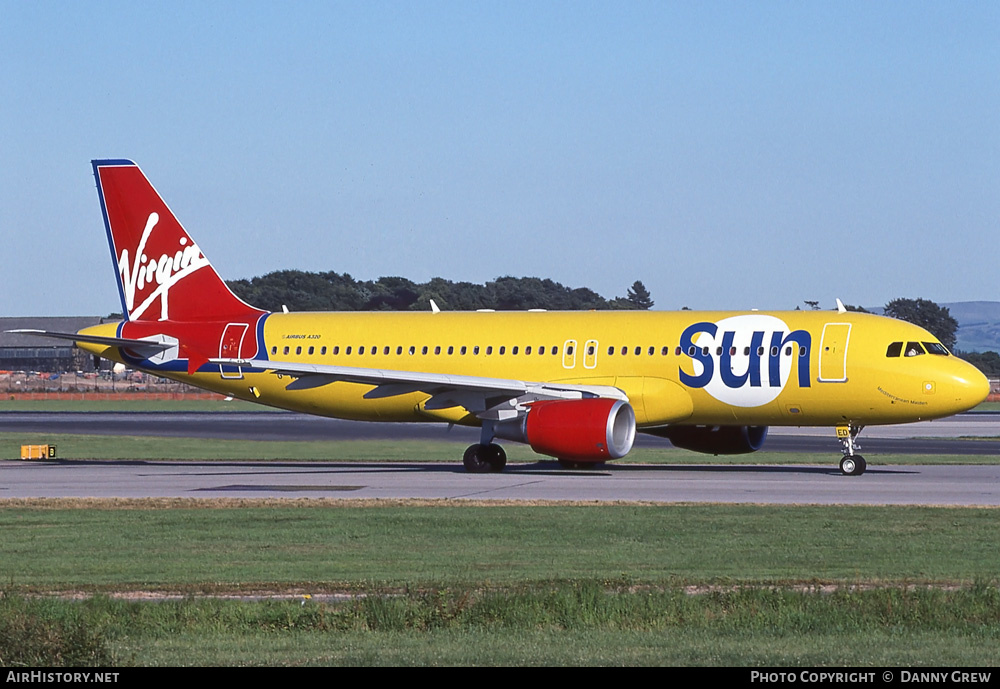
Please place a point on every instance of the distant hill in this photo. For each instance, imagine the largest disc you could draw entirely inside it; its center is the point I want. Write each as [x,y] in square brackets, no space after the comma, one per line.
[978,325]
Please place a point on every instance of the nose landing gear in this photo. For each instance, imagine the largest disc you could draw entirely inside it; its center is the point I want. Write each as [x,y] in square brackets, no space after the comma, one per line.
[852,464]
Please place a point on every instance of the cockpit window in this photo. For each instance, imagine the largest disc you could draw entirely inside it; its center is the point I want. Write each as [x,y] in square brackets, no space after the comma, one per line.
[894,349]
[914,349]
[935,348]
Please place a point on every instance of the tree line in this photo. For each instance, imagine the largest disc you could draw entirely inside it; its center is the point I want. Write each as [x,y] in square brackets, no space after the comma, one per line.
[329,291]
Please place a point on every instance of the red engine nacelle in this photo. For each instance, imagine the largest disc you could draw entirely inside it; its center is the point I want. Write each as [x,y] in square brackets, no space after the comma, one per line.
[590,430]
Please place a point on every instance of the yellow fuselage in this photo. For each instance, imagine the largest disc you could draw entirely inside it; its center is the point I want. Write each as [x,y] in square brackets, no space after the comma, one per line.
[827,369]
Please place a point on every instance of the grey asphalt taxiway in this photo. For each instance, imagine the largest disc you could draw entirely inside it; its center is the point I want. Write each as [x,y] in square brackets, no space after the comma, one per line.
[713,481]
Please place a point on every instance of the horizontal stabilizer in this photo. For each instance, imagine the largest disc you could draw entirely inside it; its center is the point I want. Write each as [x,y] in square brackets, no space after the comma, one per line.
[147,345]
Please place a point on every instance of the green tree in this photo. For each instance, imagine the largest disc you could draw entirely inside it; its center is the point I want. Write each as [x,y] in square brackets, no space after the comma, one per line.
[639,297]
[987,362]
[305,291]
[925,313]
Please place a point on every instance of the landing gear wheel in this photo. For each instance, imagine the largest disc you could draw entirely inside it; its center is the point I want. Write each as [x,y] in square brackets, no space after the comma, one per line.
[484,459]
[853,465]
[496,458]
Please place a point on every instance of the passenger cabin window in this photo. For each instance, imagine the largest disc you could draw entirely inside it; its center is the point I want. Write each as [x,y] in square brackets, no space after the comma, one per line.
[894,349]
[914,349]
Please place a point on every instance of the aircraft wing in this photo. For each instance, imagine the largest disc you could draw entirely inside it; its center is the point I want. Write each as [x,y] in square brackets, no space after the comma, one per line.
[487,398]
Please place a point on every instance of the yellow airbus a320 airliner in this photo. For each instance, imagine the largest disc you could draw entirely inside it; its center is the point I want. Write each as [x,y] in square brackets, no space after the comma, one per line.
[573,385]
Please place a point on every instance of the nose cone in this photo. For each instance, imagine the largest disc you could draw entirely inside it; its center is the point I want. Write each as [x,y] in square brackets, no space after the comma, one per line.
[967,385]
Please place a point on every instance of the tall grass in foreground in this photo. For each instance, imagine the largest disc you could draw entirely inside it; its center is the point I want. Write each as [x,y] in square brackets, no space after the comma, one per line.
[532,625]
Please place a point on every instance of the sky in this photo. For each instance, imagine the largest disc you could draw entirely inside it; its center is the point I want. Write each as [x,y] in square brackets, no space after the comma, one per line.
[730,155]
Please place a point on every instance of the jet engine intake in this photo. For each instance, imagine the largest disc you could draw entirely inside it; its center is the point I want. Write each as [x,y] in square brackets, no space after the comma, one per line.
[589,430]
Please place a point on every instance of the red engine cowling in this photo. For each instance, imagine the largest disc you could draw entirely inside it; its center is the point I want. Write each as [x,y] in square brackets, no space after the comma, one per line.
[590,430]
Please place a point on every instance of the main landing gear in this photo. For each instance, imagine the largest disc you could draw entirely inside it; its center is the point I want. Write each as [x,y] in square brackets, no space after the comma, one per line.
[484,459]
[852,464]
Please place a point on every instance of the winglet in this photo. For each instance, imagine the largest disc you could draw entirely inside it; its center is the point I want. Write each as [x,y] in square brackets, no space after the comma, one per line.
[840,307]
[434,307]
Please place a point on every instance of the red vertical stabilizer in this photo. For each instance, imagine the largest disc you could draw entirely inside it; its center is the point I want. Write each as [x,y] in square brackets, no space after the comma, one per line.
[162,274]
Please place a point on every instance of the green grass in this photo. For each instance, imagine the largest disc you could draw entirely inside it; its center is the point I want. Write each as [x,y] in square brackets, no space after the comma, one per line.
[318,545]
[582,623]
[445,584]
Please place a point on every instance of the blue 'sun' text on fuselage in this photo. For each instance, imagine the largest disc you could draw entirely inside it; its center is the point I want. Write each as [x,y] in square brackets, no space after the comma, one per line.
[753,372]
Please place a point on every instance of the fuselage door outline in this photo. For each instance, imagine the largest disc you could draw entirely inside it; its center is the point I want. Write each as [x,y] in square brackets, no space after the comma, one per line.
[569,354]
[230,346]
[833,353]
[590,354]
